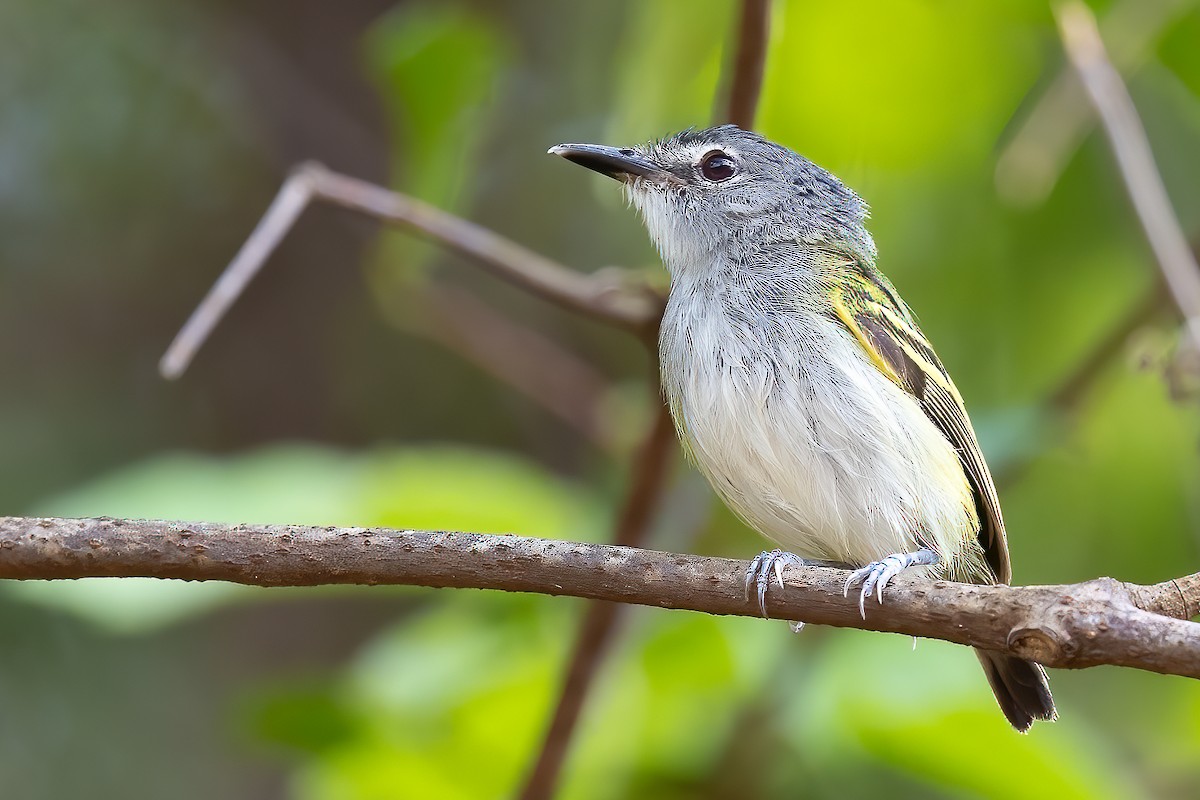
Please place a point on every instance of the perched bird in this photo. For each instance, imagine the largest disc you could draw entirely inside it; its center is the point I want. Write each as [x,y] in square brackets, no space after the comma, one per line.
[800,383]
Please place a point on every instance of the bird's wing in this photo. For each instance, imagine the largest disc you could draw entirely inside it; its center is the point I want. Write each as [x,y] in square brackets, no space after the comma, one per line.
[867,305]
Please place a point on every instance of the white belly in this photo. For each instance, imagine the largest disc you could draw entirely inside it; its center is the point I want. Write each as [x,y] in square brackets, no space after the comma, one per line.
[815,449]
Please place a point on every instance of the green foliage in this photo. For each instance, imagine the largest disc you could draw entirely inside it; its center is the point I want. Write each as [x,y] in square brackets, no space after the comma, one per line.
[955,72]
[438,68]
[421,693]
[674,54]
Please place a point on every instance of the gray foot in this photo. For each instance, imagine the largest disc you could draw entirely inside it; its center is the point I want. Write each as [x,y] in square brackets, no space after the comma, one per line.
[768,564]
[877,574]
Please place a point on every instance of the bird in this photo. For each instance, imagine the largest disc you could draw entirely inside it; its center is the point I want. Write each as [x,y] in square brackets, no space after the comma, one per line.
[800,383]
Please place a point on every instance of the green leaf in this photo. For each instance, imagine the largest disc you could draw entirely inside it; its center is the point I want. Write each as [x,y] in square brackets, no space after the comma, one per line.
[306,717]
[451,488]
[670,66]
[438,67]
[927,713]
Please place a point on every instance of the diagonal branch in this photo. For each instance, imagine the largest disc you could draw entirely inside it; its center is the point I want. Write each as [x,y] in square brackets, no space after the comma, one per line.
[601,299]
[1075,384]
[1051,127]
[1118,116]
[1101,621]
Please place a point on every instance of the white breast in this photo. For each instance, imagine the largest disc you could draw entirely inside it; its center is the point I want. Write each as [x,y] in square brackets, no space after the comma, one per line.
[803,437]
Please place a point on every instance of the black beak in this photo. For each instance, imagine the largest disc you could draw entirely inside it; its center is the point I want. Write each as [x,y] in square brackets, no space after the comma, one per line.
[620,163]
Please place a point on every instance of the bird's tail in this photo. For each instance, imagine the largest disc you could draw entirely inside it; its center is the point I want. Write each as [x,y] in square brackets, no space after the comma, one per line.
[1020,687]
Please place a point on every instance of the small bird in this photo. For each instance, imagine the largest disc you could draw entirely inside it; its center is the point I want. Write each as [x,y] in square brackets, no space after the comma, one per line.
[800,383]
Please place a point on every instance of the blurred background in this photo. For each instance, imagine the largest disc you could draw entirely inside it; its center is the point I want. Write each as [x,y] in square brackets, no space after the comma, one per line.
[354,385]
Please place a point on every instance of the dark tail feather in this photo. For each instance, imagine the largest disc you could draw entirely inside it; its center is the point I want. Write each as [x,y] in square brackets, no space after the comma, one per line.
[1020,687]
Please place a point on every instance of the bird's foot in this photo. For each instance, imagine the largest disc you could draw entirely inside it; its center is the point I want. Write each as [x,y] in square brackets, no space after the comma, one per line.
[877,574]
[767,565]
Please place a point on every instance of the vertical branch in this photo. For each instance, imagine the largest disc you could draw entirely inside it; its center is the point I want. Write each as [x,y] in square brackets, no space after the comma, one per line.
[599,627]
[646,486]
[749,63]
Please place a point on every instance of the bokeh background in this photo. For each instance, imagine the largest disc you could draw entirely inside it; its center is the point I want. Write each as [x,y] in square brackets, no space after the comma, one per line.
[139,143]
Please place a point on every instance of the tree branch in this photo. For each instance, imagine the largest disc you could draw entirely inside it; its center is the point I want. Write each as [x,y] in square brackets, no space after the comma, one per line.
[1050,128]
[1079,380]
[1127,136]
[1101,621]
[749,63]
[599,626]
[601,299]
[645,490]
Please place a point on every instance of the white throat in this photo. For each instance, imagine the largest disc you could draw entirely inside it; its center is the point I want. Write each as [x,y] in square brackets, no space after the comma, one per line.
[680,241]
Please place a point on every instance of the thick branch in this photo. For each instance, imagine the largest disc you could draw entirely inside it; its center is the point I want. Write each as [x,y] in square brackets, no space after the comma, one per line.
[1102,621]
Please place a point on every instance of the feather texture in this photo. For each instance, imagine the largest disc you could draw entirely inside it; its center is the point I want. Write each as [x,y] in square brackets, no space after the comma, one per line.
[804,424]
[800,382]
[865,302]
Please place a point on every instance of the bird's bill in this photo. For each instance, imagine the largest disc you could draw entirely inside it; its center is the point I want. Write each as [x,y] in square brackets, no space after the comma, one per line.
[621,163]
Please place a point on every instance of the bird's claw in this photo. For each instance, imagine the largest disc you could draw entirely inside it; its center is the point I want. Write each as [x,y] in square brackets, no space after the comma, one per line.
[878,574]
[768,564]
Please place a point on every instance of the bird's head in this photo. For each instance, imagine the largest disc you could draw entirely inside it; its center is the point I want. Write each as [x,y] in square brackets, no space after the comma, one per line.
[725,191]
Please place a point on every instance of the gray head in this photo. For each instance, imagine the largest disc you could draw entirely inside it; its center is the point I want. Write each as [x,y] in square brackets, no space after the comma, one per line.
[728,191]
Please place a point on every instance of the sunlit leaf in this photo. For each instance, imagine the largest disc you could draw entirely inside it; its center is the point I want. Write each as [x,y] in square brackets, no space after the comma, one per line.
[439,67]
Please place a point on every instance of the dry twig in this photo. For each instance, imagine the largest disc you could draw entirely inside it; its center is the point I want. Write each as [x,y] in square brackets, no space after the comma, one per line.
[634,310]
[1051,128]
[527,361]
[1081,38]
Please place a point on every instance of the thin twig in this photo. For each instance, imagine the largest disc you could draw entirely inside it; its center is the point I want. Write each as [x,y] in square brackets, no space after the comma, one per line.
[623,307]
[1051,128]
[1078,382]
[1101,621]
[1075,384]
[291,201]
[749,63]
[600,620]
[1127,136]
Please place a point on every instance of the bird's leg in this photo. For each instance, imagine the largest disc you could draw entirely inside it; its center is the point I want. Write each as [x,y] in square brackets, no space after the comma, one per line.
[877,574]
[767,565]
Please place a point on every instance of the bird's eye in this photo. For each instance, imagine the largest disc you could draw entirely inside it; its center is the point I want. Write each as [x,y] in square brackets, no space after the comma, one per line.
[718,166]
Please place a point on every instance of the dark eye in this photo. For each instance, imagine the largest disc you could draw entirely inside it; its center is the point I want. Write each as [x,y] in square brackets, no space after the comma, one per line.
[718,166]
